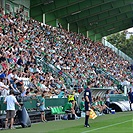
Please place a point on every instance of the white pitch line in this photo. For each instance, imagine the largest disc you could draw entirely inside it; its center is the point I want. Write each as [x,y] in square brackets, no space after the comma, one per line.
[106,126]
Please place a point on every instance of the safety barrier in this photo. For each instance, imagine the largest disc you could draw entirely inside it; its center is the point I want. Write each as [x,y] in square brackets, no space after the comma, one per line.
[48,67]
[31,102]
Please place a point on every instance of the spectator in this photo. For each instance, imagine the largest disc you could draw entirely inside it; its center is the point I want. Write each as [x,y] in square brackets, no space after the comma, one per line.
[13,86]
[66,52]
[82,104]
[69,108]
[12,76]
[10,101]
[62,93]
[20,61]
[3,88]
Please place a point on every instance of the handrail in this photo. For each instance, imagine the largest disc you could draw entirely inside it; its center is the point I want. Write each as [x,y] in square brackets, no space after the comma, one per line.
[116,50]
[107,74]
[54,70]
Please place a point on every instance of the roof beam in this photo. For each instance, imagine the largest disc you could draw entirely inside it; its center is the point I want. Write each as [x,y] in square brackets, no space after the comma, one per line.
[106,15]
[83,6]
[112,20]
[35,3]
[90,12]
[120,28]
[117,29]
[118,19]
[73,9]
[56,5]
[113,25]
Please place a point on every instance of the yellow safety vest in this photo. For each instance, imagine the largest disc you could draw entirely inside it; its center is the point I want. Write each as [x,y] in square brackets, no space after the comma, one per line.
[70,97]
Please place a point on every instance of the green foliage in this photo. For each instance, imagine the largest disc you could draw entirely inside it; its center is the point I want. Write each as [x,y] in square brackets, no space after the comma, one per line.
[120,41]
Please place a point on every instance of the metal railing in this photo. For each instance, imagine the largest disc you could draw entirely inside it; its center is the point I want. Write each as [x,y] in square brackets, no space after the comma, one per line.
[117,51]
[47,67]
[107,75]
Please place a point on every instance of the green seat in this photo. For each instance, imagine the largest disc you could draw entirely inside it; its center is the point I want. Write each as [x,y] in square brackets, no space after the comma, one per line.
[61,110]
[54,110]
[57,110]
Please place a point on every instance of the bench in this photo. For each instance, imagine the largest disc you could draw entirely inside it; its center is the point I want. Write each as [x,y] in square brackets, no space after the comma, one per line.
[57,112]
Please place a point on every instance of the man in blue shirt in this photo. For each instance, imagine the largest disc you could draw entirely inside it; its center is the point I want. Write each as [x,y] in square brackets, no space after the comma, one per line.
[130,98]
[88,101]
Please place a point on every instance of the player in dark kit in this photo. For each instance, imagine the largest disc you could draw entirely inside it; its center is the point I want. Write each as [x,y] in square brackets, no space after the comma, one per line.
[130,98]
[88,101]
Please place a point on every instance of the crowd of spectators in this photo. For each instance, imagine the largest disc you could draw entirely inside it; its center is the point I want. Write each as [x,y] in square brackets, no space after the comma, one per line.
[22,41]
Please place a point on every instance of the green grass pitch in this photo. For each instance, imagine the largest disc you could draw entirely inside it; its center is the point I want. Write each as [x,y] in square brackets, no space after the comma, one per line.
[113,123]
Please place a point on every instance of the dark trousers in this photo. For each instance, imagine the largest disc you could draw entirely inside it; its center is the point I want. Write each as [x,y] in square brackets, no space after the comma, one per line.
[107,103]
[131,105]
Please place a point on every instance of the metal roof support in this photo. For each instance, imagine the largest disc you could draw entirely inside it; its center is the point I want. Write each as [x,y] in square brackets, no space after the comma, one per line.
[44,19]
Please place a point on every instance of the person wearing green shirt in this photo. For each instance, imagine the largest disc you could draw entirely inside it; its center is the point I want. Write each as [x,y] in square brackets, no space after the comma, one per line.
[69,108]
[95,105]
[82,104]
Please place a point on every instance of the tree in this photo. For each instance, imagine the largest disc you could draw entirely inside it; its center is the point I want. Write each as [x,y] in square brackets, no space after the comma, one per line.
[120,41]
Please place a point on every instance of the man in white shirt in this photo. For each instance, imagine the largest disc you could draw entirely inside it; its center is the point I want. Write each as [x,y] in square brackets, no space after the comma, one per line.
[10,101]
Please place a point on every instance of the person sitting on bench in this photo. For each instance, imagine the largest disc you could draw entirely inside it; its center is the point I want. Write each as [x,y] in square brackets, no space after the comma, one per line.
[69,108]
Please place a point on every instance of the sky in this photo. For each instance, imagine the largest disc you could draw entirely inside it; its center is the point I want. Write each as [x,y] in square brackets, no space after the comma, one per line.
[130,30]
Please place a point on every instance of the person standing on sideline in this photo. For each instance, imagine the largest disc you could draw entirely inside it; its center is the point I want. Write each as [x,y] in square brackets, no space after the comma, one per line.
[42,108]
[130,98]
[10,110]
[88,101]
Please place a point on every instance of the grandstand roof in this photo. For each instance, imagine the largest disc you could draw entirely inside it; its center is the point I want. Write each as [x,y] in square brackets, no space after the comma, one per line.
[99,17]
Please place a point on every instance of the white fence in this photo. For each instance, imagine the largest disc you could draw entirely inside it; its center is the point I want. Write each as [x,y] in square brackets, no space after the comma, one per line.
[117,51]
